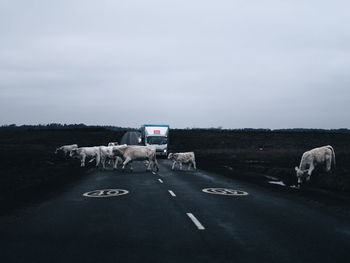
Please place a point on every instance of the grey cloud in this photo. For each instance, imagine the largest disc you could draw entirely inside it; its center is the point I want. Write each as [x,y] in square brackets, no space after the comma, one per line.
[200,63]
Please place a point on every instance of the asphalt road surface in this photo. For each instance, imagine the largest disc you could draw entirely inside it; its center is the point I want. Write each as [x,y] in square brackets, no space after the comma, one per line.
[166,217]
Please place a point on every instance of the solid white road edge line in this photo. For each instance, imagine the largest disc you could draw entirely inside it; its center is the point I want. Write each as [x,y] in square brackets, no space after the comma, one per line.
[195,221]
[160,180]
[171,193]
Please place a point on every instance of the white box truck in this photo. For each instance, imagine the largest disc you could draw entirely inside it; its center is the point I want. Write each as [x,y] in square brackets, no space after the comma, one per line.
[157,135]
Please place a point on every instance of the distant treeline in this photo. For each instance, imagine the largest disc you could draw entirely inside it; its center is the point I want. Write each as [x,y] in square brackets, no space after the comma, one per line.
[58,126]
[292,130]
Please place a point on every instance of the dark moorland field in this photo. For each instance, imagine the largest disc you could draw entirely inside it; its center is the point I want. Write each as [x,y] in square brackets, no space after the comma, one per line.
[253,155]
[31,170]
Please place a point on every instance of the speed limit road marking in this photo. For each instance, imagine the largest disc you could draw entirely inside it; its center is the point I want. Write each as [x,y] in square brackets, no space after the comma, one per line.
[106,193]
[224,191]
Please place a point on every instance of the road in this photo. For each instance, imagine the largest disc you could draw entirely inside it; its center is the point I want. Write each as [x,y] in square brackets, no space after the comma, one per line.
[152,224]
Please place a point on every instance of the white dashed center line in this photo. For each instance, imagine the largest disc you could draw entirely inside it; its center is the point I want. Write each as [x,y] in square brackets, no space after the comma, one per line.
[160,180]
[171,193]
[195,221]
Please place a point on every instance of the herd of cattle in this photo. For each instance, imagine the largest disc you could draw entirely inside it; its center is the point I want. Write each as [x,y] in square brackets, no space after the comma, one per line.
[114,154]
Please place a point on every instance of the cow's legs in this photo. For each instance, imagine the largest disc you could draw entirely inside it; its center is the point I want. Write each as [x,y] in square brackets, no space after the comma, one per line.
[173,167]
[189,166]
[127,160]
[328,165]
[115,163]
[118,161]
[82,161]
[150,162]
[194,165]
[98,159]
[312,167]
[103,162]
[154,165]
[180,165]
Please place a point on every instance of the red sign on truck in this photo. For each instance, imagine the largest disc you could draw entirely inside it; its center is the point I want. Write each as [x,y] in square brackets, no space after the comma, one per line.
[156,132]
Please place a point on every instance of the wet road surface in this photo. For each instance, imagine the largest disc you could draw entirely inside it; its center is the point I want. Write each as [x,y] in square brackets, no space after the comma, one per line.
[167,217]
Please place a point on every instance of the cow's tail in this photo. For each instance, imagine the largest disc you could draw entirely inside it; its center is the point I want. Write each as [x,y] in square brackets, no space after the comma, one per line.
[333,156]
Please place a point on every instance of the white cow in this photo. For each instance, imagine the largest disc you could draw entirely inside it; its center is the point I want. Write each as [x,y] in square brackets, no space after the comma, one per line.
[180,158]
[82,153]
[107,154]
[113,143]
[66,149]
[322,157]
[130,153]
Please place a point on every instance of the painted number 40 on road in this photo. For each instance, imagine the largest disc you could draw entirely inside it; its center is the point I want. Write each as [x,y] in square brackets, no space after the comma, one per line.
[106,193]
[224,191]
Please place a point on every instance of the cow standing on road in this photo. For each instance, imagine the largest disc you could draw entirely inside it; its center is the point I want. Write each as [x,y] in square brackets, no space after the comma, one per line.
[66,149]
[130,153]
[107,154]
[92,153]
[180,158]
[322,157]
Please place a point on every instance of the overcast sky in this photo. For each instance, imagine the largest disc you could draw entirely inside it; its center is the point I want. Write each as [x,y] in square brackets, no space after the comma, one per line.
[198,63]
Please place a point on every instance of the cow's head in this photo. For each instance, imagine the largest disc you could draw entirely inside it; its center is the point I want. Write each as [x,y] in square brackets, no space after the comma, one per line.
[59,150]
[119,150]
[300,174]
[74,153]
[170,156]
